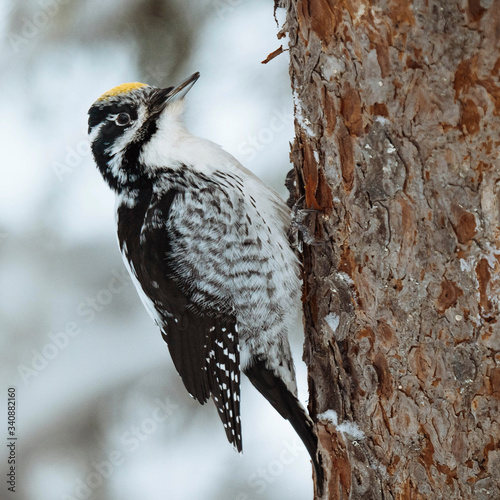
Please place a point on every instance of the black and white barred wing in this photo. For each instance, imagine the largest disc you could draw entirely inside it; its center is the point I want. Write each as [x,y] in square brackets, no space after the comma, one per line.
[215,371]
[224,373]
[203,342]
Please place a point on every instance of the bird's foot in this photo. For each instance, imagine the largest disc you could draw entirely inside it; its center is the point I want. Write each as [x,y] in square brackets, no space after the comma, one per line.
[303,226]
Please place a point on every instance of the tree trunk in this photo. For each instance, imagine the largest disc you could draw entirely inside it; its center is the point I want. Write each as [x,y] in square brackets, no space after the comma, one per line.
[397,107]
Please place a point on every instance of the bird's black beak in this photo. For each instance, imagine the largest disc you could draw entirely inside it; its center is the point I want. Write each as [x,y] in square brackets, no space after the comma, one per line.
[165,96]
[182,89]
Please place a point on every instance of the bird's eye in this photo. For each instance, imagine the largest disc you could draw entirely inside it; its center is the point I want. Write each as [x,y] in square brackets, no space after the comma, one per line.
[122,119]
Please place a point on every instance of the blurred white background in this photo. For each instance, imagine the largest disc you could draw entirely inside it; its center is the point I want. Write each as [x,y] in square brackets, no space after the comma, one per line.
[102,414]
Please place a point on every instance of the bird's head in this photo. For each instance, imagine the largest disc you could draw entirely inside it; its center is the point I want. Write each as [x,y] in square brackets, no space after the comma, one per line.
[126,126]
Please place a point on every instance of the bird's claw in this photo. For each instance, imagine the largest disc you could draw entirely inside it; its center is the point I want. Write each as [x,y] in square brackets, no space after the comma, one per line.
[303,224]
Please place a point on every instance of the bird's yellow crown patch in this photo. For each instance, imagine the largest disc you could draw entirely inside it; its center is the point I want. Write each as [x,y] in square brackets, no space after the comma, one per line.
[124,88]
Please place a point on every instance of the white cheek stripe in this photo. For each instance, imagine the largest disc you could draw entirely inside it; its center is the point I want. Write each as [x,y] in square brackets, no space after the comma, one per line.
[121,143]
[95,132]
[115,164]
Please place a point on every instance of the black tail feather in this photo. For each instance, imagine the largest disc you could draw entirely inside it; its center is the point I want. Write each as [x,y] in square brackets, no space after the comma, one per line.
[290,408]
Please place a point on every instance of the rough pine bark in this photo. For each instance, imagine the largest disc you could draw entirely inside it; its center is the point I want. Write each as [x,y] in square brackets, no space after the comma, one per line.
[397,107]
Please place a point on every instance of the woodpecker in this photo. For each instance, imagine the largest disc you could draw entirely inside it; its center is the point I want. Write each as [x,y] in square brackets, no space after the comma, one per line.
[205,242]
